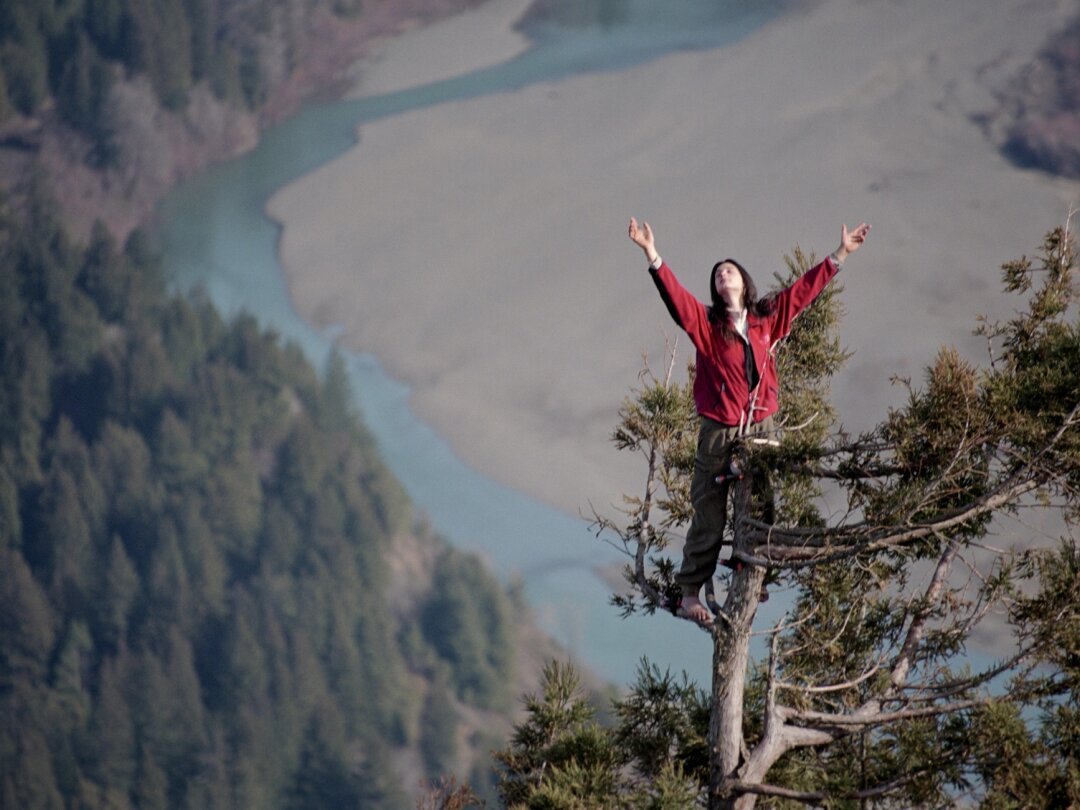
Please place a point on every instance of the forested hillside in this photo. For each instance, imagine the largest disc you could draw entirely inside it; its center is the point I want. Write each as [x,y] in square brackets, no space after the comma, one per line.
[200,557]
[116,100]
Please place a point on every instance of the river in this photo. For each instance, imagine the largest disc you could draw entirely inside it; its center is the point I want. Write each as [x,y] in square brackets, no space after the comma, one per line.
[214,234]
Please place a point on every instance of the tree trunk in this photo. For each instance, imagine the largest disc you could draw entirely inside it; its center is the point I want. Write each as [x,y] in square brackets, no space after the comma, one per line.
[731,653]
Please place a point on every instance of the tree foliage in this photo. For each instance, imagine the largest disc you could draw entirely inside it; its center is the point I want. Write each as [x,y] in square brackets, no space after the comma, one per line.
[560,756]
[195,534]
[466,622]
[73,52]
[866,694]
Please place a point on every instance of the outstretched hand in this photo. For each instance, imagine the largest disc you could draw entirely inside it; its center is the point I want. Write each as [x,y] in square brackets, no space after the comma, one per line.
[851,240]
[642,236]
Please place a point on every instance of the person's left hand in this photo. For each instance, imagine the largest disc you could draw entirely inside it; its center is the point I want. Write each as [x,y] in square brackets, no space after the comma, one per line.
[851,240]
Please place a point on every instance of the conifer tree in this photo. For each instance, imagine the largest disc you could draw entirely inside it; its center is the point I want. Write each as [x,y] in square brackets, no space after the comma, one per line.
[864,696]
[194,554]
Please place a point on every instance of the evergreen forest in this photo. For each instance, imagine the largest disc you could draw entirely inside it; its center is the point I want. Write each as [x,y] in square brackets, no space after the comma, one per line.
[197,559]
[72,52]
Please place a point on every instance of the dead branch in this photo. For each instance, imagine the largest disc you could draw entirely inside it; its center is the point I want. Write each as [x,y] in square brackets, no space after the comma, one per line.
[835,687]
[826,720]
[918,623]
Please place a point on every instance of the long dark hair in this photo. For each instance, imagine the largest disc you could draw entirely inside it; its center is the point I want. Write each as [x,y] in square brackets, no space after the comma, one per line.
[718,312]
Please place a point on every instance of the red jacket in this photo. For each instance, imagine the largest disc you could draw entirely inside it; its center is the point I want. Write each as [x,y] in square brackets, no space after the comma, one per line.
[721,389]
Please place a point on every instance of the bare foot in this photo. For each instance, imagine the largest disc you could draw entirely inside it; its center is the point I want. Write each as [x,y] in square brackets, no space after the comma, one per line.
[692,609]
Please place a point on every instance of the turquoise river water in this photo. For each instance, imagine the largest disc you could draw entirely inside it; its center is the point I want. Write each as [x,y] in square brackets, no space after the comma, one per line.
[214,234]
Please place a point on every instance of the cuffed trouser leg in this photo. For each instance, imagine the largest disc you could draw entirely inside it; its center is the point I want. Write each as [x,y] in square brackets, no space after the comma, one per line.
[706,533]
[709,498]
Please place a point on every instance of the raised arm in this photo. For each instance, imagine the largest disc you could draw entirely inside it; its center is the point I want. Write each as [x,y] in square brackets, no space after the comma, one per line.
[689,313]
[793,300]
[642,236]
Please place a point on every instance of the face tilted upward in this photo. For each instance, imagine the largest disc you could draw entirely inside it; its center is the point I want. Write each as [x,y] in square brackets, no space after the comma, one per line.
[729,284]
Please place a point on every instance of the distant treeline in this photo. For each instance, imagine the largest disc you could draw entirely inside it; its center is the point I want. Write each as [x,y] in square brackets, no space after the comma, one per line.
[194,543]
[72,51]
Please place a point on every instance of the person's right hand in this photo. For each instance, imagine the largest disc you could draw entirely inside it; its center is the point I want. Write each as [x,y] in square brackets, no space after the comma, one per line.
[643,237]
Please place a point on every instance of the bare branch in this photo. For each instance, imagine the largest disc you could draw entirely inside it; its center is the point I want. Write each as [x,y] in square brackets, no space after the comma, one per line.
[836,687]
[771,722]
[1065,238]
[814,797]
[781,424]
[918,623]
[671,361]
[775,790]
[821,720]
[950,688]
[781,628]
[801,548]
[850,472]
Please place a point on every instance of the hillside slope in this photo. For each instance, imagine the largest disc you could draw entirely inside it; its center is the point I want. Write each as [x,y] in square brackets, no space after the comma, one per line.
[212,593]
[114,101]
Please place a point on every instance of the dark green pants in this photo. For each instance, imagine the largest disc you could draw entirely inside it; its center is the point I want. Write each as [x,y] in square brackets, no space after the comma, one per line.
[706,533]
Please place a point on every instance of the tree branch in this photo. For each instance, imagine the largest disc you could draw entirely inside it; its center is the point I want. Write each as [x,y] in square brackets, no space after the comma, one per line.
[771,722]
[903,662]
[835,687]
[802,548]
[945,690]
[819,720]
[815,797]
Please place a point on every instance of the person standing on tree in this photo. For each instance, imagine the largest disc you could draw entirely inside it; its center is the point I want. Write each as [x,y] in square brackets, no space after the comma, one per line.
[735,384]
